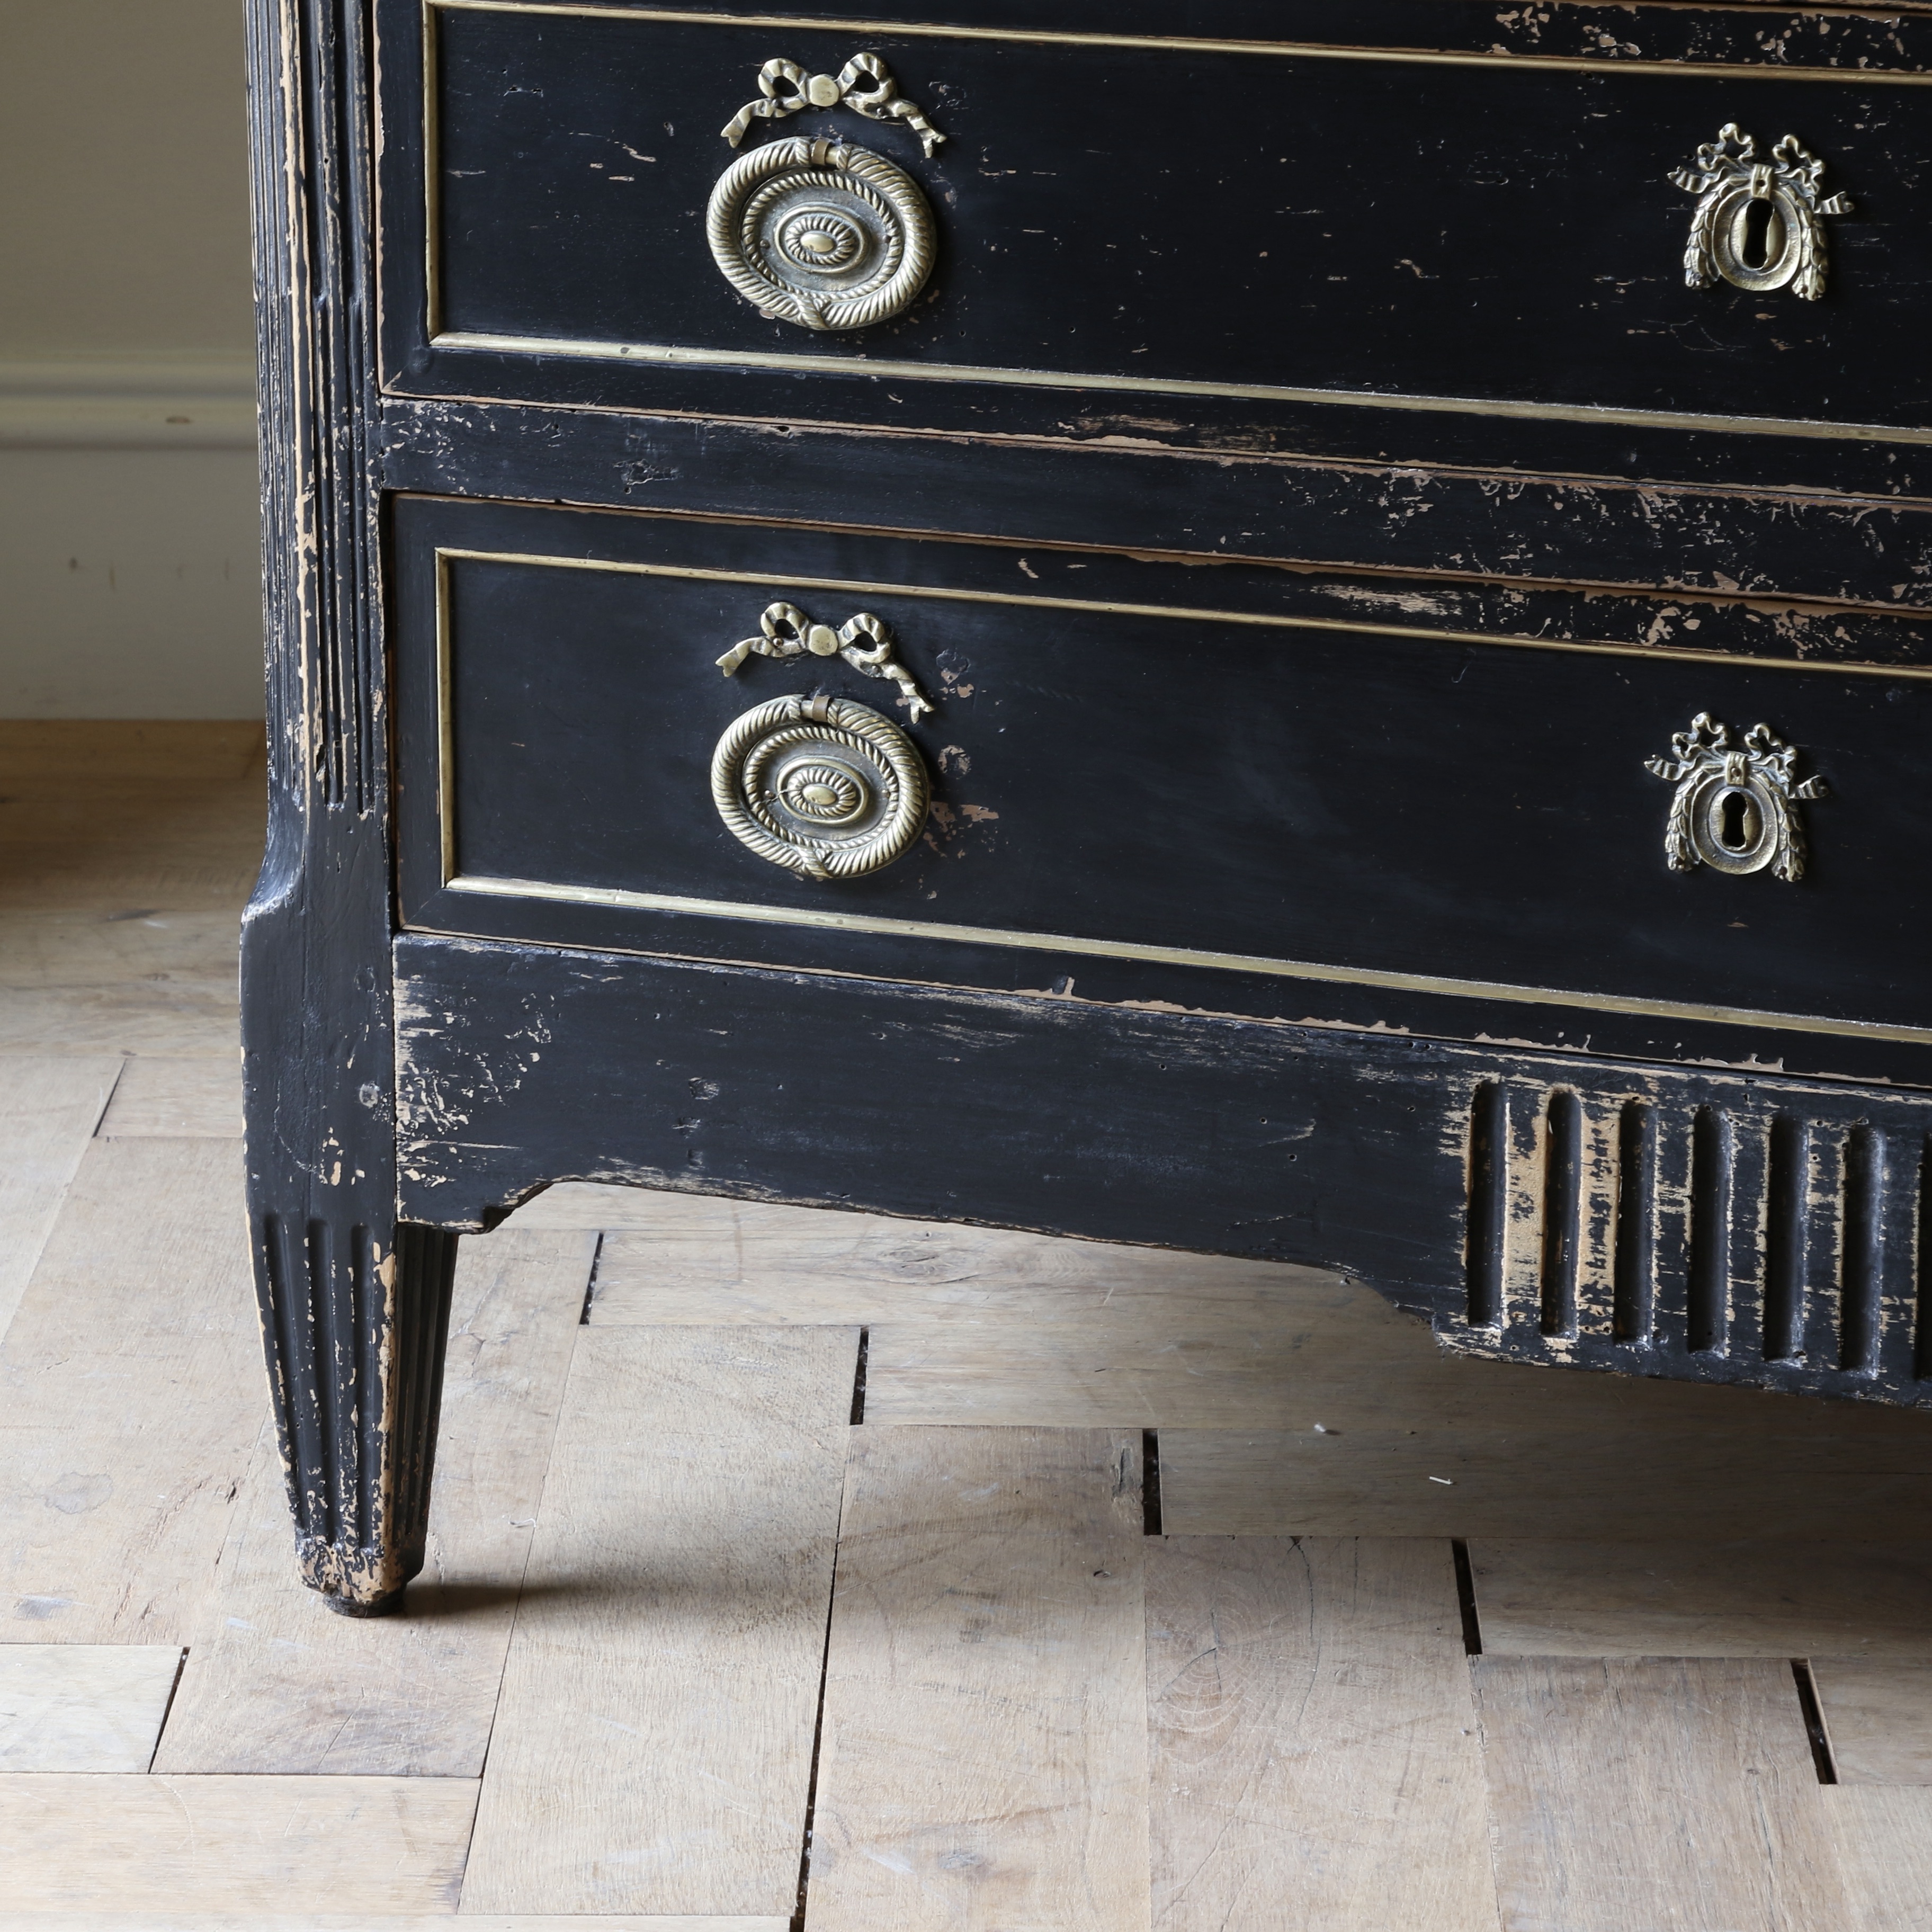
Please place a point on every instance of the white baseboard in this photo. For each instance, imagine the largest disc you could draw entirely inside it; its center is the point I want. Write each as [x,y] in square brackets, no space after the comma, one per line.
[158,401]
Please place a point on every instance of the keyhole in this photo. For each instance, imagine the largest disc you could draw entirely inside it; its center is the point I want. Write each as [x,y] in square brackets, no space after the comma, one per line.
[1737,823]
[1760,235]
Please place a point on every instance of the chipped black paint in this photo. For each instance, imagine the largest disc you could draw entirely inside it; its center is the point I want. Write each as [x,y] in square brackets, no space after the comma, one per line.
[1777,1242]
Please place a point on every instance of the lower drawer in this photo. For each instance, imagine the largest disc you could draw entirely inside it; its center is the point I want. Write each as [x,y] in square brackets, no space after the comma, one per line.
[1137,769]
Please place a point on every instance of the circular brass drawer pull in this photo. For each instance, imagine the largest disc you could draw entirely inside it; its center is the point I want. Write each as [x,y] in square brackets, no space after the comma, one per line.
[820,234]
[816,232]
[820,785]
[1735,807]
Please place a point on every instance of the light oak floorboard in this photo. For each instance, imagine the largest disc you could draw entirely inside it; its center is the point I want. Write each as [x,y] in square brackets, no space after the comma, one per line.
[276,1682]
[1314,1760]
[653,1743]
[177,1099]
[198,1921]
[1884,1837]
[1631,1796]
[83,1706]
[983,1760]
[48,1111]
[972,1325]
[238,1845]
[117,750]
[1641,1483]
[185,846]
[1776,1598]
[332,1922]
[81,833]
[144,976]
[1878,1715]
[677,1258]
[75,882]
[131,1398]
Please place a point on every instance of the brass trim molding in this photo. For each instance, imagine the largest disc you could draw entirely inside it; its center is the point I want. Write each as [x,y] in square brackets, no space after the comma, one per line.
[1176,385]
[1188,44]
[619,898]
[1190,614]
[952,372]
[1181,955]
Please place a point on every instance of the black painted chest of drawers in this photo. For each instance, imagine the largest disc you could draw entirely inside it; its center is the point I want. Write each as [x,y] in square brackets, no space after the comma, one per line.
[1295,630]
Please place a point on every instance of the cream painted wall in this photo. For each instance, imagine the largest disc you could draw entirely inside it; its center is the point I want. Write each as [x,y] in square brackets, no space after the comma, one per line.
[129,561]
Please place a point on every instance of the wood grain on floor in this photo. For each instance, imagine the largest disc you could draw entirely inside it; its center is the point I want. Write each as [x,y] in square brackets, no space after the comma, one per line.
[83,1706]
[131,1399]
[1878,1714]
[1713,1598]
[1667,1793]
[984,1756]
[333,1921]
[48,1108]
[82,752]
[652,1746]
[237,1845]
[144,977]
[176,1097]
[1614,1482]
[1883,1834]
[275,1682]
[1310,1715]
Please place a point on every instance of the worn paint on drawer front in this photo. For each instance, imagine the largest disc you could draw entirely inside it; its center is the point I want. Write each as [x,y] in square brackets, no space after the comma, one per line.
[1137,778]
[1277,225]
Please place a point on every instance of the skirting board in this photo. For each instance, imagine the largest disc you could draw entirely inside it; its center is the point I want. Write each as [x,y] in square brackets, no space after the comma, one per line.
[164,400]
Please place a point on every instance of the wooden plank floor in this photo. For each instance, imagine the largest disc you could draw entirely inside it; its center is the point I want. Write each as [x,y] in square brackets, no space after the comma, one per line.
[800,1572]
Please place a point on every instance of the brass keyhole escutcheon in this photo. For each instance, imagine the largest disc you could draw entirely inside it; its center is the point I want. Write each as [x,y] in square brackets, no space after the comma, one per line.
[1736,806]
[1758,225]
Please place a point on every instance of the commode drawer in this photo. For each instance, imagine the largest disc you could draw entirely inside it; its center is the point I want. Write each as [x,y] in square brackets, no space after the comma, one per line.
[1132,762]
[1737,240]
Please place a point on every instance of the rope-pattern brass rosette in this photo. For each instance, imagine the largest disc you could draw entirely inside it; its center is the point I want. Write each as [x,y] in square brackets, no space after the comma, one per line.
[820,785]
[817,233]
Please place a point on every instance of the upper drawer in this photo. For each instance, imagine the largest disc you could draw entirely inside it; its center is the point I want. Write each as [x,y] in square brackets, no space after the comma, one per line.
[1166,226]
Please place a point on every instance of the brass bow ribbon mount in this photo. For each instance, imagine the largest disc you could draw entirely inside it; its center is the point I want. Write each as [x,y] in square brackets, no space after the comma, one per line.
[786,632]
[1730,181]
[785,87]
[1735,805]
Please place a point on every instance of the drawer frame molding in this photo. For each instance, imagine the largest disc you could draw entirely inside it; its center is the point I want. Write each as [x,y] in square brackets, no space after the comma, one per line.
[453,879]
[494,342]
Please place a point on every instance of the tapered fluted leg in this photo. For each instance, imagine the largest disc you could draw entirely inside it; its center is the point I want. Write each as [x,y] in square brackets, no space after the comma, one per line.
[354,1325]
[354,1307]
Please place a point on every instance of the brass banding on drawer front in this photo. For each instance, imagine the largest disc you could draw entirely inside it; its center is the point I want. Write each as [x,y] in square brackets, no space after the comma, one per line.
[1222,791]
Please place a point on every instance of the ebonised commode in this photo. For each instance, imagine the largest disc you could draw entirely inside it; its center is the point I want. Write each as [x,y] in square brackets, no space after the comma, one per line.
[1306,641]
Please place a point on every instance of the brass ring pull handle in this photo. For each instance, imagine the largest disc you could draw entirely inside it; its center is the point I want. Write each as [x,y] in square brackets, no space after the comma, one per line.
[816,232]
[1735,807]
[821,786]
[1733,186]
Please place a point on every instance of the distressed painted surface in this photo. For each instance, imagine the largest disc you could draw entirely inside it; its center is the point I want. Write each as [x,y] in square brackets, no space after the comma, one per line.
[1348,1151]
[351,1307]
[1532,257]
[1654,1196]
[1866,547]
